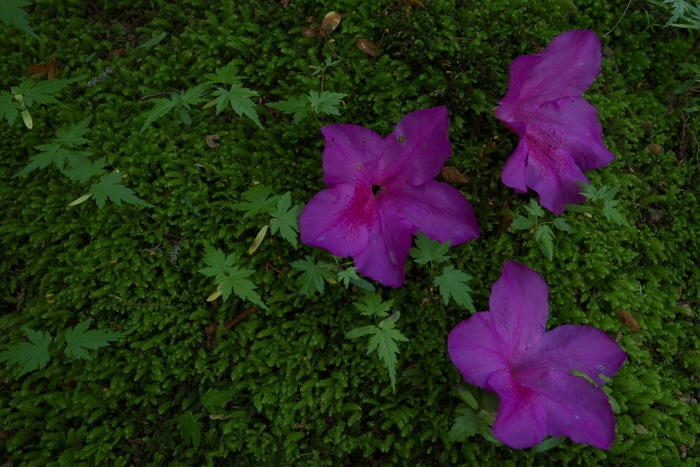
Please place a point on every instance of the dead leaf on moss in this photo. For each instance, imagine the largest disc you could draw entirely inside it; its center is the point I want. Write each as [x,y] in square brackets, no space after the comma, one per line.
[115,53]
[367,46]
[628,320]
[284,3]
[4,434]
[413,3]
[452,175]
[309,32]
[212,140]
[211,329]
[247,312]
[330,22]
[654,148]
[50,69]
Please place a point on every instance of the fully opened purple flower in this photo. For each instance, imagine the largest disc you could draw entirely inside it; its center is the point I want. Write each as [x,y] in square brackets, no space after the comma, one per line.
[506,350]
[559,131]
[382,190]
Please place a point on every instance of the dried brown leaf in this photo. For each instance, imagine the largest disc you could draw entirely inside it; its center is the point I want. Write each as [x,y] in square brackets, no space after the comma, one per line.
[655,148]
[413,3]
[367,46]
[628,320]
[284,3]
[452,175]
[212,140]
[50,69]
[309,32]
[115,53]
[330,22]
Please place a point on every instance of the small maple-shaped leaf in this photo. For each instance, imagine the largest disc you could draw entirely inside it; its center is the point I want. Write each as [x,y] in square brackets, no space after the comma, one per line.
[32,355]
[110,187]
[326,102]
[11,12]
[78,339]
[50,69]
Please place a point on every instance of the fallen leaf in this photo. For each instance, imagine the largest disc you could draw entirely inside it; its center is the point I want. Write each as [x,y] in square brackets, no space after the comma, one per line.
[211,329]
[50,69]
[212,140]
[309,32]
[4,434]
[330,22]
[452,175]
[628,320]
[284,3]
[367,46]
[655,148]
[413,3]
[247,312]
[115,53]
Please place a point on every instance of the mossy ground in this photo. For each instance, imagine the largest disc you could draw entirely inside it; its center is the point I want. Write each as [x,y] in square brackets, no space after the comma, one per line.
[304,394]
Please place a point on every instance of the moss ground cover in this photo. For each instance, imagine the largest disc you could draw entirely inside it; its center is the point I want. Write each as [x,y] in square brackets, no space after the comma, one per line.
[298,392]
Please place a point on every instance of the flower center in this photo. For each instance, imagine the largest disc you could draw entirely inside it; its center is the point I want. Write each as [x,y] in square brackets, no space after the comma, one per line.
[375,189]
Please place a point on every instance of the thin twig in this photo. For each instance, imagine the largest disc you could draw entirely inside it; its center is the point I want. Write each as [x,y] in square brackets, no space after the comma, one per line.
[618,21]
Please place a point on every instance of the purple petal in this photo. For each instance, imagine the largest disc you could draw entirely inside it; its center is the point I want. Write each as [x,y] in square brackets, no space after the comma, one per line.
[352,152]
[437,209]
[341,219]
[522,420]
[575,408]
[568,66]
[514,172]
[520,70]
[575,122]
[418,147]
[573,347]
[552,172]
[384,257]
[519,306]
[477,348]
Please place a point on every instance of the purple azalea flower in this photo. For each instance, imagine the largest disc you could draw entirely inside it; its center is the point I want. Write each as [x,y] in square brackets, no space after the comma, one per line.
[559,131]
[382,190]
[507,351]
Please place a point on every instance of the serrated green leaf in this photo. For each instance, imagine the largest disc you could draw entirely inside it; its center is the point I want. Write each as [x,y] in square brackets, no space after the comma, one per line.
[326,102]
[224,75]
[162,107]
[578,208]
[588,190]
[384,342]
[545,240]
[372,304]
[9,107]
[110,187]
[190,428]
[611,213]
[522,223]
[193,96]
[153,41]
[466,425]
[362,284]
[185,117]
[609,194]
[239,99]
[40,92]
[50,154]
[299,106]
[313,277]
[466,396]
[230,278]
[81,169]
[11,13]
[534,208]
[363,331]
[73,136]
[286,219]
[428,250]
[216,398]
[561,224]
[78,339]
[453,283]
[684,87]
[31,355]
[258,201]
